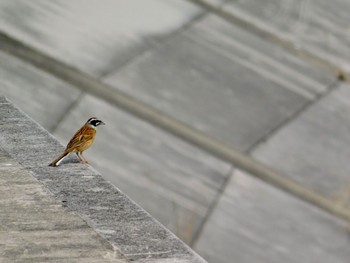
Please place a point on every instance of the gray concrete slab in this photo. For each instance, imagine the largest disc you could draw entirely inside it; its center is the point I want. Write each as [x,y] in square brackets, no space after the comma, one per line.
[258,223]
[313,149]
[171,179]
[34,227]
[222,80]
[42,96]
[314,26]
[263,57]
[92,36]
[108,211]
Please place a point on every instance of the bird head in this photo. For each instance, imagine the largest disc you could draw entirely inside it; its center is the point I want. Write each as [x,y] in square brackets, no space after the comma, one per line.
[94,122]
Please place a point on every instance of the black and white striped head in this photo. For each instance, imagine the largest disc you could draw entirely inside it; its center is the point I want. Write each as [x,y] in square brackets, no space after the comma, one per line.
[94,122]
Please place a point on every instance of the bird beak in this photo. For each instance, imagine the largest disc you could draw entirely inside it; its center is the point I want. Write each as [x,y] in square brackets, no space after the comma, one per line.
[102,123]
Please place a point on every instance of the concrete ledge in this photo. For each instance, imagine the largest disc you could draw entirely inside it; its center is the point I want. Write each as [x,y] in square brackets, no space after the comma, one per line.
[35,227]
[120,221]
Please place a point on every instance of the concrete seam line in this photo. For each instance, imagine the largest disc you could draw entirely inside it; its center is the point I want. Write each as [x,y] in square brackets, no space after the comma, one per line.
[304,54]
[169,124]
[202,14]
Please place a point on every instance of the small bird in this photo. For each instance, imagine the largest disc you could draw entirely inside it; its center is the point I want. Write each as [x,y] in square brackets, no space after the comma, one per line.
[81,140]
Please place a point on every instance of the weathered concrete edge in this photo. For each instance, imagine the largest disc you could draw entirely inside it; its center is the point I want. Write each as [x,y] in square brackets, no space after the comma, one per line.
[28,210]
[124,224]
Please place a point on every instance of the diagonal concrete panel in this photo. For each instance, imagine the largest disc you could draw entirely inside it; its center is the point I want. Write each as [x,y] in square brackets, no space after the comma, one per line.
[42,96]
[224,81]
[254,222]
[318,27]
[314,148]
[90,35]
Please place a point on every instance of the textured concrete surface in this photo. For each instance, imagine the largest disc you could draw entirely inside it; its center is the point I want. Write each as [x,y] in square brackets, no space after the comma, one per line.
[258,223]
[35,227]
[40,95]
[248,75]
[92,36]
[314,149]
[318,27]
[108,211]
[234,92]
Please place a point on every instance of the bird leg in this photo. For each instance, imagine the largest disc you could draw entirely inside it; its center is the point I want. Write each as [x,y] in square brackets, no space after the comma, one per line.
[81,158]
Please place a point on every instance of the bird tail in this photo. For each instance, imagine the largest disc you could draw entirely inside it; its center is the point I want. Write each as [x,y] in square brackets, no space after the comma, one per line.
[58,159]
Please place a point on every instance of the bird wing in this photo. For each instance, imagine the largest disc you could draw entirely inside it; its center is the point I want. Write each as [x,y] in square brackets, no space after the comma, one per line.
[82,136]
